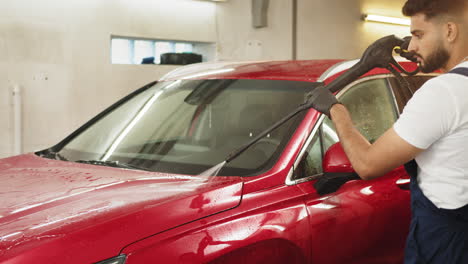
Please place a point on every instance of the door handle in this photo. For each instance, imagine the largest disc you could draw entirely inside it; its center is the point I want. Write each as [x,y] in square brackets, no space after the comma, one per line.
[403,184]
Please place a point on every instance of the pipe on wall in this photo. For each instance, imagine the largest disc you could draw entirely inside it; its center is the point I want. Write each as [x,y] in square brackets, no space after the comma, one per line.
[294,30]
[17,119]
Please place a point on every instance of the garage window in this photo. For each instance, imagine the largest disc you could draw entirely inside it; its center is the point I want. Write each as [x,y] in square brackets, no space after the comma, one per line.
[126,50]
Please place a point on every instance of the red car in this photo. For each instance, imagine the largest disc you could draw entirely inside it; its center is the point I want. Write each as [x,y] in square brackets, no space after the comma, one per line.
[126,187]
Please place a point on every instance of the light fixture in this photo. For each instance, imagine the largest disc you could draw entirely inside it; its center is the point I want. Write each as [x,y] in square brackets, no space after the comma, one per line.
[387,20]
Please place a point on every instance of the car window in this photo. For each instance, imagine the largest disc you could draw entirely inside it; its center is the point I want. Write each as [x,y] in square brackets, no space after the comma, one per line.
[311,162]
[188,126]
[373,111]
[329,135]
[371,106]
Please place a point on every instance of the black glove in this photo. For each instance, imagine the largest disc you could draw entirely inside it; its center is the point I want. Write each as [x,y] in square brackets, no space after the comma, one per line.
[321,99]
[403,50]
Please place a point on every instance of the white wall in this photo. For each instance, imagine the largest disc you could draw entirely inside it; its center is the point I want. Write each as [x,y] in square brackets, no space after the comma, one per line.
[238,40]
[59,53]
[326,29]
[332,29]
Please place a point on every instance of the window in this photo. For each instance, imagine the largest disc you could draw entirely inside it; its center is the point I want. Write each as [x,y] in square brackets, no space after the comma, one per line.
[142,49]
[372,107]
[373,111]
[162,47]
[122,51]
[311,163]
[188,126]
[145,51]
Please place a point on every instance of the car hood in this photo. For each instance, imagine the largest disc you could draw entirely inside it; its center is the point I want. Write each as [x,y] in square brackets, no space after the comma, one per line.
[48,201]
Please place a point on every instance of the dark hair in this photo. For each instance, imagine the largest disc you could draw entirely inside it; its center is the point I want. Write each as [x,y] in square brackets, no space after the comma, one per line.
[434,8]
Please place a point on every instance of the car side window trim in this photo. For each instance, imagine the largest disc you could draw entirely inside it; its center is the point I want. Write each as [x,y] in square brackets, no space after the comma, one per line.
[289,178]
[395,102]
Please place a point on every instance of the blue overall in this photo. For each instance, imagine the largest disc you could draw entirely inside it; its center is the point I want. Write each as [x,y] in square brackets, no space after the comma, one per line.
[436,235]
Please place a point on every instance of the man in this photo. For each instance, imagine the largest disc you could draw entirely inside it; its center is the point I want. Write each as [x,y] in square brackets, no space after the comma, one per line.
[433,130]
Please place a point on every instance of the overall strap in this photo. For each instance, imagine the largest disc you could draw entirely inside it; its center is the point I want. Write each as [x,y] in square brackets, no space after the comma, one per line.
[462,71]
[411,168]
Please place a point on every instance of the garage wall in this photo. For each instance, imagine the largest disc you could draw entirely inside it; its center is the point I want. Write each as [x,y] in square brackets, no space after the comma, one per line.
[58,52]
[238,40]
[329,29]
[326,29]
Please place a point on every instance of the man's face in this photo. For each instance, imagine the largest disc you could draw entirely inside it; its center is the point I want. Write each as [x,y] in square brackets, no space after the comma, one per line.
[427,42]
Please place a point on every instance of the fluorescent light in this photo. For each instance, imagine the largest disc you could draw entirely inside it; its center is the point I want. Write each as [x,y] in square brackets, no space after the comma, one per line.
[385,19]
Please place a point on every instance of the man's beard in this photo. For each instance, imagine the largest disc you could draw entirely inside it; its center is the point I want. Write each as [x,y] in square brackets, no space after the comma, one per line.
[438,59]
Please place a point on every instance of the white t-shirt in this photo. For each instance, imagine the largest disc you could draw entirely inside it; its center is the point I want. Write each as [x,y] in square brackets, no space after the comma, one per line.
[436,120]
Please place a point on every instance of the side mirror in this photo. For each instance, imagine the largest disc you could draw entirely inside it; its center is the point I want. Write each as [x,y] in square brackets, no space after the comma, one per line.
[337,171]
[335,160]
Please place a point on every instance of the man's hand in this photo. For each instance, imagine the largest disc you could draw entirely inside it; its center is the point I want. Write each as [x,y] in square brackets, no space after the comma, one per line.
[371,160]
[321,99]
[404,52]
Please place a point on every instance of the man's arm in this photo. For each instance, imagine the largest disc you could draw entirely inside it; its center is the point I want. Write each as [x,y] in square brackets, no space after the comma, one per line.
[370,160]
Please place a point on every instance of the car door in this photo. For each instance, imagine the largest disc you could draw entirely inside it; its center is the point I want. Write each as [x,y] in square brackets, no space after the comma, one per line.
[363,221]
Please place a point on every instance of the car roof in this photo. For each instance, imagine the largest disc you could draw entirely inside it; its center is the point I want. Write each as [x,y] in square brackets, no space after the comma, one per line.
[300,70]
[305,70]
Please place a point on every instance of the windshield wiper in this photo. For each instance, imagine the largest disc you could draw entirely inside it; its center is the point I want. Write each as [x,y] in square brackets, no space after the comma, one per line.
[52,155]
[112,163]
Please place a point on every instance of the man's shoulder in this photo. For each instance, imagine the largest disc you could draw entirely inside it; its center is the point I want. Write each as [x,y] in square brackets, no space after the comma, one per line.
[443,83]
[457,74]
[433,87]
[444,92]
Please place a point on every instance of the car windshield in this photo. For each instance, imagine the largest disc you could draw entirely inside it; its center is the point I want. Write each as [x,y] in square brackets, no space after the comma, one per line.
[188,126]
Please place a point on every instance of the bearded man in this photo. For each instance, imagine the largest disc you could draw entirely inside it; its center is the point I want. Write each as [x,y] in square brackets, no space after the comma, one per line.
[433,130]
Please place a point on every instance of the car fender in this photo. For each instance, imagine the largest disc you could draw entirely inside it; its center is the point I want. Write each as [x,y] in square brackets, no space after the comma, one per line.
[274,219]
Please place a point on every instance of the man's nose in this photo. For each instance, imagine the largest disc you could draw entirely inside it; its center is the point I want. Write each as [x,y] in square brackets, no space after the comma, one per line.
[412,45]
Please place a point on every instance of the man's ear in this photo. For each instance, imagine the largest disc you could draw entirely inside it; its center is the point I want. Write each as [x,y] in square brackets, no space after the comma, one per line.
[452,31]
